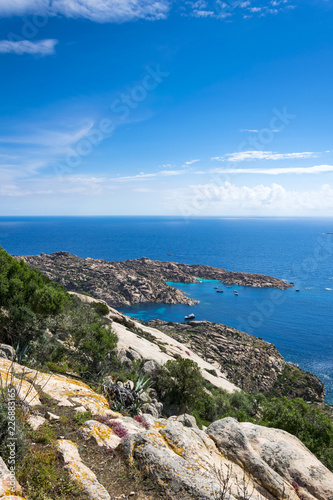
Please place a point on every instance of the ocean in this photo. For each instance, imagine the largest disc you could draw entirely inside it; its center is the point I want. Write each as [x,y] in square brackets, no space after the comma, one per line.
[300,324]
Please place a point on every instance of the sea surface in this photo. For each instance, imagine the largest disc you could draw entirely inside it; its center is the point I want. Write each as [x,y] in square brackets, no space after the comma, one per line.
[300,324]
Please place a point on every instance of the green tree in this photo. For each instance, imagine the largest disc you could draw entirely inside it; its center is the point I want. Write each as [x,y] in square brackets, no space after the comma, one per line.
[180,382]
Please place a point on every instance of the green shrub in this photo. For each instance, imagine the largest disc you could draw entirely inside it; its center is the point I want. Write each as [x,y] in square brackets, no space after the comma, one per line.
[44,434]
[100,308]
[81,418]
[180,382]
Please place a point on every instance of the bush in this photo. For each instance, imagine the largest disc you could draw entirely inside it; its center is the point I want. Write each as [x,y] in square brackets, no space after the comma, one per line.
[180,382]
[44,434]
[100,308]
[25,295]
[81,418]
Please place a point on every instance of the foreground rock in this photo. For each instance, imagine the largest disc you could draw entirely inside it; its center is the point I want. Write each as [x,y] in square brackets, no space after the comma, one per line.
[9,487]
[67,392]
[134,281]
[247,459]
[242,459]
[247,361]
[79,472]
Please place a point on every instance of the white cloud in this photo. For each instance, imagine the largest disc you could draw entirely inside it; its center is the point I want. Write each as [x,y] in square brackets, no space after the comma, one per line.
[38,150]
[260,199]
[190,162]
[95,10]
[167,165]
[137,177]
[40,47]
[50,138]
[263,155]
[319,169]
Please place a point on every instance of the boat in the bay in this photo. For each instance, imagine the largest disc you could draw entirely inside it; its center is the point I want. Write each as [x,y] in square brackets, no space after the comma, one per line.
[190,316]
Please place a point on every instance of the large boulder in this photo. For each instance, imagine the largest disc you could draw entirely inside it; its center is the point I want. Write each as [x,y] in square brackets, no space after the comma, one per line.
[233,442]
[183,461]
[229,460]
[150,366]
[188,420]
[288,457]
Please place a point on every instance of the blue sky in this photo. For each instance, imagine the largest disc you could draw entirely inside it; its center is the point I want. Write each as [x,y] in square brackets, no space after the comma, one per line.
[166,108]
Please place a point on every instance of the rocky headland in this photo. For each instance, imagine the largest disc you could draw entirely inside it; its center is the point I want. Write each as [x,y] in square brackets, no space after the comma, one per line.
[134,281]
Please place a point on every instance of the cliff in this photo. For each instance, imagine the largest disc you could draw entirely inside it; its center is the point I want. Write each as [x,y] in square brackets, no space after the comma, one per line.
[133,281]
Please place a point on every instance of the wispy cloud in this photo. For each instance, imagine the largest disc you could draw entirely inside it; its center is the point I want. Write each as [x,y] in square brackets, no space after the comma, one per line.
[40,47]
[142,176]
[319,169]
[263,155]
[29,155]
[190,162]
[225,9]
[95,10]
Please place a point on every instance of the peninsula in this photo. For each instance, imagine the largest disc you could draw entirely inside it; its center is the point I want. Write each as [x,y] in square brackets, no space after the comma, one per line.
[140,280]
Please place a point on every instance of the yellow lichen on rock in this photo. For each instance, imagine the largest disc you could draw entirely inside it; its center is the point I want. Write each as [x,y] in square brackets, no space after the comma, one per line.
[79,472]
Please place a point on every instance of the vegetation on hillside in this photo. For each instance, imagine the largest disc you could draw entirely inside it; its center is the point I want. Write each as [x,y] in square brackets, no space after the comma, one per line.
[46,324]
[50,328]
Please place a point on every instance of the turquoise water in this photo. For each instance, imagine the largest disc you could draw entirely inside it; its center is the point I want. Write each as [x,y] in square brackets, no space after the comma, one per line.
[299,324]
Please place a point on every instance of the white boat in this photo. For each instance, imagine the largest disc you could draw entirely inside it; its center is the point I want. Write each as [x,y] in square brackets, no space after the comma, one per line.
[235,292]
[190,316]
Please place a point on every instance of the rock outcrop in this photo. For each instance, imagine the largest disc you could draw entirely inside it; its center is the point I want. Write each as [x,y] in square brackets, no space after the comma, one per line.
[79,472]
[228,358]
[249,362]
[228,460]
[134,281]
[29,384]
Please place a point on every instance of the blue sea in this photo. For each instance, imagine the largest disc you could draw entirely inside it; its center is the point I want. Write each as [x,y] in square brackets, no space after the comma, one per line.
[300,324]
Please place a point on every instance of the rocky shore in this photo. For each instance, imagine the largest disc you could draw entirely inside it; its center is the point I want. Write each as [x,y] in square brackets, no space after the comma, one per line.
[249,362]
[134,281]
